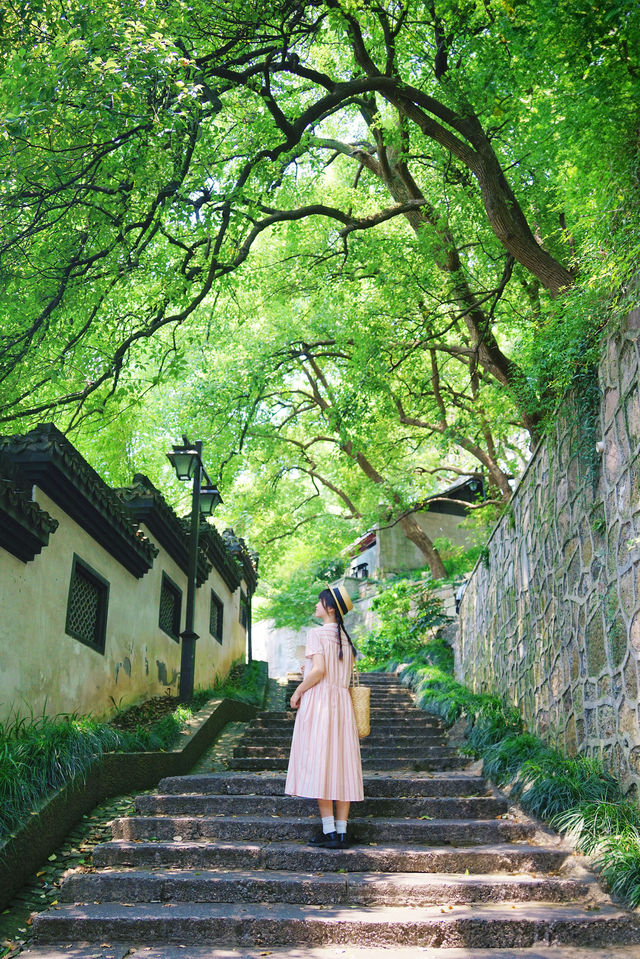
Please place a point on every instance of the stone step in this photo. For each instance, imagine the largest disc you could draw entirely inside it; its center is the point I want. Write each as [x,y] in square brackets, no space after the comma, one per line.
[285,924]
[428,831]
[401,857]
[160,951]
[237,784]
[366,751]
[259,737]
[408,889]
[396,700]
[400,762]
[384,692]
[381,679]
[386,732]
[483,807]
[396,724]
[390,679]
[410,715]
[398,697]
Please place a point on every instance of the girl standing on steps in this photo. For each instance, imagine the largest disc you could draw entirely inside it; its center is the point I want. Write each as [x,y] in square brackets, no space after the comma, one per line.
[324,762]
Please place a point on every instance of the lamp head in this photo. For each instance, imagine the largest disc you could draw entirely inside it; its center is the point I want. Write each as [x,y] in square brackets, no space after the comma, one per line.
[209,499]
[184,460]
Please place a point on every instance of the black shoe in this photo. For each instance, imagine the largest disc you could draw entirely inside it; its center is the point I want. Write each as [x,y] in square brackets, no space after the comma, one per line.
[337,840]
[320,838]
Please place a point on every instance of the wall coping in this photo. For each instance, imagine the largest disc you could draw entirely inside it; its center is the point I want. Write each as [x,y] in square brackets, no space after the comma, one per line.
[146,504]
[248,561]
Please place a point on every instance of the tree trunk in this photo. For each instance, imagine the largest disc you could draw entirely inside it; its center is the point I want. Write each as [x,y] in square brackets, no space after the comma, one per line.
[510,224]
[412,529]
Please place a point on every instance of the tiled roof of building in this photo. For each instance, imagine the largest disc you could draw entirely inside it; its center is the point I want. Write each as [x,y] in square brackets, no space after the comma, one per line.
[46,458]
[147,505]
[24,527]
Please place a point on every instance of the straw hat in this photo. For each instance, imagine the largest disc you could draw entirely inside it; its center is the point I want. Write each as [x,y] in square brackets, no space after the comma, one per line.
[342,598]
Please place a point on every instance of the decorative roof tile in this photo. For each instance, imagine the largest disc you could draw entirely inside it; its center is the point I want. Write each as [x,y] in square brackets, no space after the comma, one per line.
[222,559]
[248,561]
[46,458]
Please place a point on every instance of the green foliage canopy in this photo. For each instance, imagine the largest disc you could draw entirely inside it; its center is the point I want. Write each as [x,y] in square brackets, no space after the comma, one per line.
[148,148]
[426,207]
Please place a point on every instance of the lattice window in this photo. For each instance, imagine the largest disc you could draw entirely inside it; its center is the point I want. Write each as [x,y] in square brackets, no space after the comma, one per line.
[244,610]
[216,613]
[87,606]
[170,608]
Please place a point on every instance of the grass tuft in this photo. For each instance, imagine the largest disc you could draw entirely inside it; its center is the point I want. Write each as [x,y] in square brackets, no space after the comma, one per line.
[592,823]
[503,758]
[552,783]
[619,864]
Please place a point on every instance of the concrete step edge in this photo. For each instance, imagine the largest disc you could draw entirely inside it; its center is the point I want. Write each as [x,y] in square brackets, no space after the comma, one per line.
[270,924]
[356,887]
[488,858]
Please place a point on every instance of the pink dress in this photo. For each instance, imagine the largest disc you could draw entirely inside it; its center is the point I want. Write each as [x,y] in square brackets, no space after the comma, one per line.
[324,762]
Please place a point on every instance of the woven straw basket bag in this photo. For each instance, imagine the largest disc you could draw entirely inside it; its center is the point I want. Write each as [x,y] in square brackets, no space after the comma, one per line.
[360,699]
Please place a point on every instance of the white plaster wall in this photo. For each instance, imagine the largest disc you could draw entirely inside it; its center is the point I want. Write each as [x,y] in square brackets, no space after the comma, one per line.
[42,669]
[212,659]
[277,646]
[368,556]
[396,552]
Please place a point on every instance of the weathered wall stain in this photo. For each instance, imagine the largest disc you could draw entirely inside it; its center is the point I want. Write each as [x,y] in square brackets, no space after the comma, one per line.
[163,675]
[125,666]
[551,619]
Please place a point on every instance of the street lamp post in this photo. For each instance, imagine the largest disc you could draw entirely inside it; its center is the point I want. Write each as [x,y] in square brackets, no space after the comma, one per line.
[187,462]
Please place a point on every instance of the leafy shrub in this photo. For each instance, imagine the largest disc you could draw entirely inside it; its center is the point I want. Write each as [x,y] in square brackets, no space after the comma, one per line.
[492,722]
[504,758]
[407,610]
[619,864]
[39,756]
[457,560]
[248,687]
[553,783]
[591,821]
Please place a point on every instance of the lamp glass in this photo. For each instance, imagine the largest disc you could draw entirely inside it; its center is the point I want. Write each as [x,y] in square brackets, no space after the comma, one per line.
[184,462]
[209,499]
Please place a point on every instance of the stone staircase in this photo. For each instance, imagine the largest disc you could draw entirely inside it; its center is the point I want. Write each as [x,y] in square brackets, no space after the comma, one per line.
[220,861]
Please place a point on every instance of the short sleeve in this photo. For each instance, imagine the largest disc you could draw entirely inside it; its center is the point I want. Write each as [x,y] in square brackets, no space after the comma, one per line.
[314,643]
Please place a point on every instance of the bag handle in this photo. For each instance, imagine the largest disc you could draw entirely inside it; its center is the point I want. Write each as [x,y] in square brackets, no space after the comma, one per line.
[355,675]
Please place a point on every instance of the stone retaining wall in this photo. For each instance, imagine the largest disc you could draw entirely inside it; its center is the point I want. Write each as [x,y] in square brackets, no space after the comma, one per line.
[551,615]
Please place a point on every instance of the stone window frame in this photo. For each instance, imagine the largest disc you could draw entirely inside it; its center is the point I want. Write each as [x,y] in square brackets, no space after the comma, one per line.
[168,585]
[216,611]
[81,567]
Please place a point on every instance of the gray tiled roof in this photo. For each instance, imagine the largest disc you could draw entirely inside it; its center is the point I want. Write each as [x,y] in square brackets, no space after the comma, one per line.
[47,459]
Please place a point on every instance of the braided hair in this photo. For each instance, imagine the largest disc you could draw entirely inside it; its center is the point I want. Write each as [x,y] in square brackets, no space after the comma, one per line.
[328,601]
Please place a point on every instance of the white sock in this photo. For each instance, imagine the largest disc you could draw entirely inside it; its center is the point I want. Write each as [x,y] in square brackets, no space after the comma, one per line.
[341,826]
[328,824]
